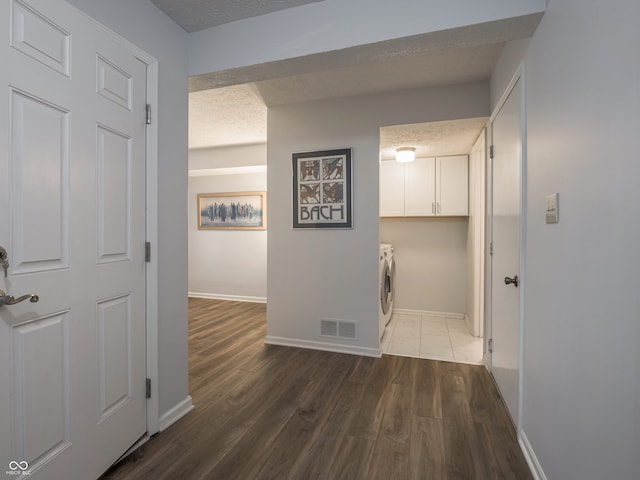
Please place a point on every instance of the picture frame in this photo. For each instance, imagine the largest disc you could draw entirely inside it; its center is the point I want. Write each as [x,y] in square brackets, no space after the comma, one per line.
[232,211]
[322,189]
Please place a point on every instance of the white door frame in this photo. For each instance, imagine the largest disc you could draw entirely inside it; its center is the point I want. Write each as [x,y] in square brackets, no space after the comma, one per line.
[151,218]
[478,165]
[488,237]
[151,227]
[519,75]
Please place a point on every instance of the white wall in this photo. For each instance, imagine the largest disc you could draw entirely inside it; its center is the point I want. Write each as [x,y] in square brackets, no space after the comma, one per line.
[315,274]
[335,25]
[431,262]
[509,61]
[140,22]
[227,264]
[581,406]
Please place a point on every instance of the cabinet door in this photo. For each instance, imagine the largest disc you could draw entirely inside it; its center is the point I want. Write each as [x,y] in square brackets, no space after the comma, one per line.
[420,188]
[452,185]
[391,189]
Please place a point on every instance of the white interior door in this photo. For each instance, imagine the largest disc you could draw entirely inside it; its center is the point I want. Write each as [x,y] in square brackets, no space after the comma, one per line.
[72,206]
[506,221]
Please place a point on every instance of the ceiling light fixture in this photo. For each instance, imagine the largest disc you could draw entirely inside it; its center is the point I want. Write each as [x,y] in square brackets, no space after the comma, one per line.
[405,154]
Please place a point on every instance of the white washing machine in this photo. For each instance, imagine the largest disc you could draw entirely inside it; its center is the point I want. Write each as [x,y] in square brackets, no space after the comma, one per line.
[387,275]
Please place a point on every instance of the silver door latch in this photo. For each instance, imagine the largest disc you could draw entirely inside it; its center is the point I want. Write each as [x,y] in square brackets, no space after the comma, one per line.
[4,260]
[11,300]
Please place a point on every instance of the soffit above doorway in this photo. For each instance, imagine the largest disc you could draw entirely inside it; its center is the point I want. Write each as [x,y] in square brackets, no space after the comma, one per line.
[456,56]
[195,15]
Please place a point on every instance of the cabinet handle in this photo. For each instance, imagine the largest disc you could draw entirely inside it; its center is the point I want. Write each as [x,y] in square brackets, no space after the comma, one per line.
[433,207]
[438,204]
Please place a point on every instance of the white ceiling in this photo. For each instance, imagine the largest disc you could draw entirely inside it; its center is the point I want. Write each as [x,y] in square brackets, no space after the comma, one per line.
[230,107]
[227,116]
[452,137]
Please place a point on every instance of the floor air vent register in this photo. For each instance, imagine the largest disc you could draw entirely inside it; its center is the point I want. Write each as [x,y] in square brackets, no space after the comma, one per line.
[338,329]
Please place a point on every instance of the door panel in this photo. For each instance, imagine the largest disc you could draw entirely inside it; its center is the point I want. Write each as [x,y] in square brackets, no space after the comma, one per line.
[114,327]
[114,84]
[41,39]
[40,194]
[420,187]
[114,165]
[42,424]
[452,175]
[72,195]
[506,220]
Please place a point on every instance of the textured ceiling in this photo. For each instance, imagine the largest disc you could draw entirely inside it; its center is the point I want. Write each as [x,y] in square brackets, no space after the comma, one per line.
[194,15]
[236,115]
[226,116]
[451,137]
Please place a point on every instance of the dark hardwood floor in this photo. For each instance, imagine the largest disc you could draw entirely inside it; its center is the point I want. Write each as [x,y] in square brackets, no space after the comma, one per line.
[269,412]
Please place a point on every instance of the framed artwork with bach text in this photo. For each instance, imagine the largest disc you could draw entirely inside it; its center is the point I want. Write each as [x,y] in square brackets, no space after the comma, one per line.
[322,189]
[232,211]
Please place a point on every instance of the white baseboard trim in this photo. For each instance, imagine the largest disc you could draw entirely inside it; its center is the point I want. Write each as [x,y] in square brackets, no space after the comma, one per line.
[469,322]
[327,347]
[233,298]
[407,311]
[530,456]
[176,413]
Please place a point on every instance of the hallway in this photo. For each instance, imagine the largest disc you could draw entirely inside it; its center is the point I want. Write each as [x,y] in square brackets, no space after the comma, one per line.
[267,412]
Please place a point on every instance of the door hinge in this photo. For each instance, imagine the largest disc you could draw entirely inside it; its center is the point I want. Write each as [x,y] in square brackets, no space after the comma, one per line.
[148,114]
[148,388]
[147,252]
[491,248]
[491,151]
[490,345]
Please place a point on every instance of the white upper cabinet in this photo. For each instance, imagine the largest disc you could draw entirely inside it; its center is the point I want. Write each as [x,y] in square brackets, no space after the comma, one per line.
[420,187]
[425,188]
[391,189]
[452,185]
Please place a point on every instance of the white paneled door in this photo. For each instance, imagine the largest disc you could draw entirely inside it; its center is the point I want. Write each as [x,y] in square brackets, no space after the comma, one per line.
[506,238]
[72,221]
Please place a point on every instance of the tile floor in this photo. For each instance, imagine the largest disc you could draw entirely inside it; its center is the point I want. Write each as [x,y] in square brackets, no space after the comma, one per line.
[434,337]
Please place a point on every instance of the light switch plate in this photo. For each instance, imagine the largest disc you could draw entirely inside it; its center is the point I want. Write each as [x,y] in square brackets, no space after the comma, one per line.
[552,211]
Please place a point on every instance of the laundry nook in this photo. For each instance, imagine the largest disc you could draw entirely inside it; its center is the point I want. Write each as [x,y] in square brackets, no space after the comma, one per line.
[431,204]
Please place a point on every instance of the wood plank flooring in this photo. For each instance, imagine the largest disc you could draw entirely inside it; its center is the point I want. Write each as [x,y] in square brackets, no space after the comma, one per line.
[269,412]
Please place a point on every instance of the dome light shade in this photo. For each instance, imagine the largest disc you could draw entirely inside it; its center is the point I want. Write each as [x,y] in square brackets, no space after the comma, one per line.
[405,154]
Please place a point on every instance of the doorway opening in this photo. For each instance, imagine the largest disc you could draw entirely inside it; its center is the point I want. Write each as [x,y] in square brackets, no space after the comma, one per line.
[432,213]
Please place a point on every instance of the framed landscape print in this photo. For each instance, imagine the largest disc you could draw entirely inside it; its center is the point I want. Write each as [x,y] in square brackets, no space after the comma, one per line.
[322,189]
[232,211]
